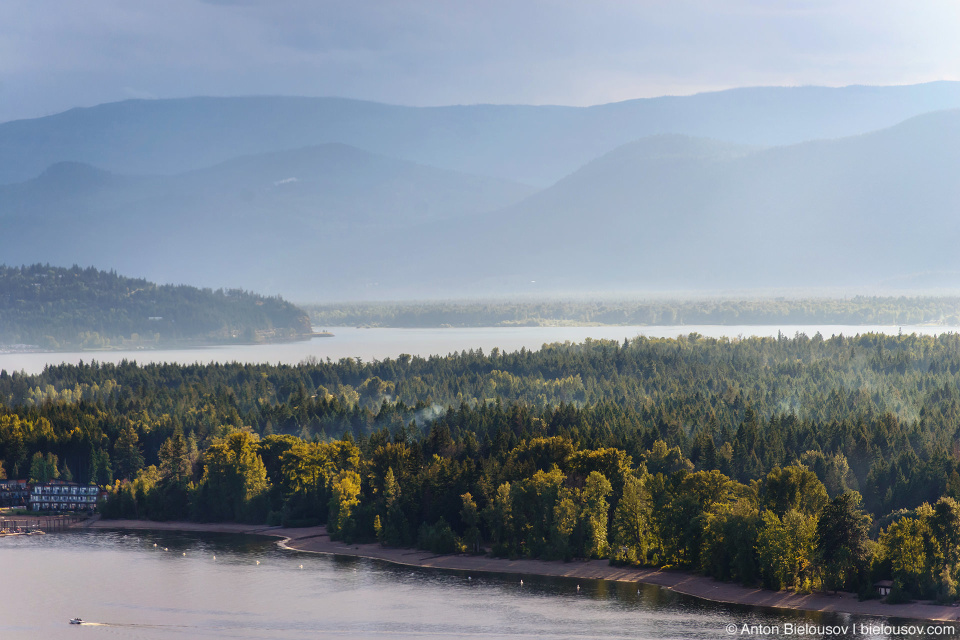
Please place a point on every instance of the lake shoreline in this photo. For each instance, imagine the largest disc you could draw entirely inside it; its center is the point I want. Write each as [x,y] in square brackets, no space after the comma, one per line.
[176,345]
[380,344]
[316,540]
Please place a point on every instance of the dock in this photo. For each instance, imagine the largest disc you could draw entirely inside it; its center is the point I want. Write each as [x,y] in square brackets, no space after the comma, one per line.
[18,526]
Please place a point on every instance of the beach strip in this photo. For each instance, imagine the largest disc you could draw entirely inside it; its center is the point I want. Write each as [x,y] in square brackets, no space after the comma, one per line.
[316,540]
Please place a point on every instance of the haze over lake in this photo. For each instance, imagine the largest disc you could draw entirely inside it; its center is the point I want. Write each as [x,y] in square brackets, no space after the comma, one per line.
[379,344]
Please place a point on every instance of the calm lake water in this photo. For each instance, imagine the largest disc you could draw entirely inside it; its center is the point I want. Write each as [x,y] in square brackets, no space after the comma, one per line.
[370,344]
[210,586]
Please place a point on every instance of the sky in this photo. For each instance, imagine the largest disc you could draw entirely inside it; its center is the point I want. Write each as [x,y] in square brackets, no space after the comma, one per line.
[59,54]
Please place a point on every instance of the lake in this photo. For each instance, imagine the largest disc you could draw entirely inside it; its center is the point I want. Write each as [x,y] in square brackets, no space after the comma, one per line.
[145,585]
[379,344]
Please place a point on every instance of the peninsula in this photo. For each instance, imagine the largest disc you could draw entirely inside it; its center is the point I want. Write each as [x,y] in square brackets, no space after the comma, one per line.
[52,308]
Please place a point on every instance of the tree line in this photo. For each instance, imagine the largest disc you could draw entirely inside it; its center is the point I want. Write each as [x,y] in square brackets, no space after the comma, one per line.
[857,310]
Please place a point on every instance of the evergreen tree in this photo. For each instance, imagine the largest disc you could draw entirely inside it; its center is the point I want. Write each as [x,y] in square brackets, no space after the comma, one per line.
[842,542]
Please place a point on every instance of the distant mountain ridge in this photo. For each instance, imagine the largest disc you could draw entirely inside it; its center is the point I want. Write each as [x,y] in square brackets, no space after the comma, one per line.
[225,221]
[851,211]
[335,182]
[669,211]
[528,144]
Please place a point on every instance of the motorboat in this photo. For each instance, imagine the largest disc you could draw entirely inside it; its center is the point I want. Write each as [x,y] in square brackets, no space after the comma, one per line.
[76,621]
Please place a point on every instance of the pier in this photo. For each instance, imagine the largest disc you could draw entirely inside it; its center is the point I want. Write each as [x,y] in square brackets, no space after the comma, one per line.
[22,525]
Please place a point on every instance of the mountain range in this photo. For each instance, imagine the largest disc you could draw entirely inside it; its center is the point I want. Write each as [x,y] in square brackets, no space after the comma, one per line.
[323,199]
[535,145]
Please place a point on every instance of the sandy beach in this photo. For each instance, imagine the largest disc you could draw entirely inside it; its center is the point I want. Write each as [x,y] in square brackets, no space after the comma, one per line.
[316,540]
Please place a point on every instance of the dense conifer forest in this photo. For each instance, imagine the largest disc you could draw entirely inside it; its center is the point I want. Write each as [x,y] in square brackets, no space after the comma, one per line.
[57,308]
[857,310]
[790,462]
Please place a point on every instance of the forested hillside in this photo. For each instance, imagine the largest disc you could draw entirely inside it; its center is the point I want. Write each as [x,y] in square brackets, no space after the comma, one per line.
[792,462]
[55,308]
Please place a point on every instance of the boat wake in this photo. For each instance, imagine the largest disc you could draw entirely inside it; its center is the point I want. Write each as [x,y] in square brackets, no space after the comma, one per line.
[133,624]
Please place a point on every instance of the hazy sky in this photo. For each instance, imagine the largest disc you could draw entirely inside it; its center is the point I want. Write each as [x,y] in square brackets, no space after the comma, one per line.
[57,54]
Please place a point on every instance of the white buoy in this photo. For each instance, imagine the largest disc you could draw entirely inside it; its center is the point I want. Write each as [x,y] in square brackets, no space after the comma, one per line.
[301,566]
[521,582]
[578,587]
[258,562]
[214,557]
[184,553]
[154,544]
